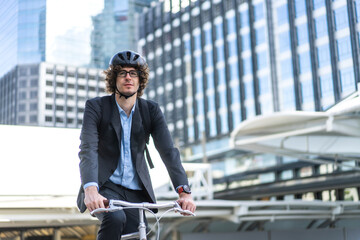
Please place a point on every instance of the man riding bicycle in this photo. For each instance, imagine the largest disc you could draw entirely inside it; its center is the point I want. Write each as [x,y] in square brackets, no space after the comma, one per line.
[113,141]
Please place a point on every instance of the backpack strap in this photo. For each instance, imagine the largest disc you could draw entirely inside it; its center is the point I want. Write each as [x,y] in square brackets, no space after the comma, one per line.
[146,121]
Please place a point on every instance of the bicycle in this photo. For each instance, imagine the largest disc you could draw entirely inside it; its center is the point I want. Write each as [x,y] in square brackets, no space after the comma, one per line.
[116,205]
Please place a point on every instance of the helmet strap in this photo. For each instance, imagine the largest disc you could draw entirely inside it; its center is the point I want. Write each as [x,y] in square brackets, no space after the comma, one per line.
[123,95]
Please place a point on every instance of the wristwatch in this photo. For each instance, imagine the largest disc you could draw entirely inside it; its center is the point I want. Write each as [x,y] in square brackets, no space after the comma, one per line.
[183,188]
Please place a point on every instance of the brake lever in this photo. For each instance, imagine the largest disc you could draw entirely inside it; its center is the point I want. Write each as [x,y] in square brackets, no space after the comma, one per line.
[178,208]
[111,209]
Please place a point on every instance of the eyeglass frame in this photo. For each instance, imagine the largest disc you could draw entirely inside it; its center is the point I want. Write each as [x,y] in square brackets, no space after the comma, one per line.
[128,72]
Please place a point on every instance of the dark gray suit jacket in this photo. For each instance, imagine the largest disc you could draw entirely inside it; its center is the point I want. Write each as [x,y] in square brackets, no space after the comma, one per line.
[100,145]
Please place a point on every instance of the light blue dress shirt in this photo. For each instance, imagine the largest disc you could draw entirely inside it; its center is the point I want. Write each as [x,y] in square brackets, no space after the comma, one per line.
[125,173]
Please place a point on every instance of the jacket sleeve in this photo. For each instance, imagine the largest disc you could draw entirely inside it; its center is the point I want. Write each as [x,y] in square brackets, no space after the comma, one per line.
[165,146]
[89,138]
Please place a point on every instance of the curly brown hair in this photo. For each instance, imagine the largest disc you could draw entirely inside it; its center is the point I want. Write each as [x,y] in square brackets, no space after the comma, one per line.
[112,72]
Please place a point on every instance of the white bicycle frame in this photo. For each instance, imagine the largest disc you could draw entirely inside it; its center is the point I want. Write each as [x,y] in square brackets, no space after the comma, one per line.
[116,205]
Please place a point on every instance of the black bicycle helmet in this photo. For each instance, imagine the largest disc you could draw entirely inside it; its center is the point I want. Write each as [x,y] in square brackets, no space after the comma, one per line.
[127,58]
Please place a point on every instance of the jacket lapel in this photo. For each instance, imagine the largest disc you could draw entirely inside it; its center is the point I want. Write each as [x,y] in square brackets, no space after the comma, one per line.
[136,132]
[115,119]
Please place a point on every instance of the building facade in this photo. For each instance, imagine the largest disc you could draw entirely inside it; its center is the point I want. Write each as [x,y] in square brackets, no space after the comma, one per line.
[215,64]
[48,94]
[30,32]
[115,29]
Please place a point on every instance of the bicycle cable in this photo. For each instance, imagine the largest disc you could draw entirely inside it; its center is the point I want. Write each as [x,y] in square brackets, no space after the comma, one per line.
[156,217]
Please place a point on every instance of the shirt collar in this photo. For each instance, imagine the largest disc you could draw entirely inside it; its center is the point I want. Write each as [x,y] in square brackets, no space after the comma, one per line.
[122,110]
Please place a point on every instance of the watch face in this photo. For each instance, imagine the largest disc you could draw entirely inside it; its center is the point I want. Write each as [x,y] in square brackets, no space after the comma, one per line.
[186,188]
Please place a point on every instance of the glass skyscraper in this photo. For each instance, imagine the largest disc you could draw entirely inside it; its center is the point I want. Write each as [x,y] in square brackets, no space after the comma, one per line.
[215,64]
[22,33]
[45,30]
[115,29]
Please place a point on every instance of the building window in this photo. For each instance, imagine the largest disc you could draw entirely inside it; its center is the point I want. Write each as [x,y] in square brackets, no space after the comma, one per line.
[323,55]
[212,124]
[208,38]
[22,107]
[341,18]
[48,119]
[21,119]
[34,83]
[23,83]
[235,94]
[231,25]
[245,42]
[234,73]
[287,98]
[321,26]
[262,60]
[220,53]
[59,108]
[344,48]
[59,120]
[197,42]
[187,47]
[48,107]
[318,4]
[33,94]
[326,85]
[264,85]
[49,83]
[304,62]
[60,84]
[232,48]
[198,63]
[284,41]
[49,95]
[307,92]
[286,69]
[259,11]
[33,119]
[287,174]
[357,8]
[22,95]
[282,14]
[249,90]
[302,34]
[244,17]
[300,8]
[219,31]
[34,71]
[247,66]
[260,35]
[33,106]
[347,80]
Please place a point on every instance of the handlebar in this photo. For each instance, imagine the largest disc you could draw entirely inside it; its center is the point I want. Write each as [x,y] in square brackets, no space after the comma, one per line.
[116,205]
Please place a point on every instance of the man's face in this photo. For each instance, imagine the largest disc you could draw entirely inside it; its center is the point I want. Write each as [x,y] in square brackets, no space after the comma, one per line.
[127,80]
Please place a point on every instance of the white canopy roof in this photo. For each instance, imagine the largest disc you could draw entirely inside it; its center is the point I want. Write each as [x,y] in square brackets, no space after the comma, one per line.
[313,136]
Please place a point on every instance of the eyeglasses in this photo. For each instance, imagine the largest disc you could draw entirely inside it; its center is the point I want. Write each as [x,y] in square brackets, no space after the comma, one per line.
[132,73]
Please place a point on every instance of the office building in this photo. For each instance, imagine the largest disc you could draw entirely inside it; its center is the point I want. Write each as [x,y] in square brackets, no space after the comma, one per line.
[48,94]
[215,64]
[115,29]
[46,30]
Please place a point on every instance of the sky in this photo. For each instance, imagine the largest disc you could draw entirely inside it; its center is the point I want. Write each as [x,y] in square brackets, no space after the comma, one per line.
[68,29]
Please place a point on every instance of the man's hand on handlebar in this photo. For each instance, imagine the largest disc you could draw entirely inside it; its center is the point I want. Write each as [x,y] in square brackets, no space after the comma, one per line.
[93,199]
[186,202]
